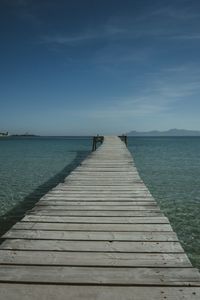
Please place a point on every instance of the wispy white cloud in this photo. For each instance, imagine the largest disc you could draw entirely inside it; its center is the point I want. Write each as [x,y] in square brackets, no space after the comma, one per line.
[142,25]
[68,39]
[102,32]
[186,37]
[26,10]
[162,92]
[125,31]
[105,32]
[174,12]
[118,54]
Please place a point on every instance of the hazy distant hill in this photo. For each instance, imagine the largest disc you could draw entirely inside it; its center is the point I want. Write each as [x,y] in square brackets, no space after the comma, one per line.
[170,132]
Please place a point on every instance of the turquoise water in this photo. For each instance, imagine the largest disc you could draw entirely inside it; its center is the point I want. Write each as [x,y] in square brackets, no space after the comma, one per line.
[29,167]
[170,167]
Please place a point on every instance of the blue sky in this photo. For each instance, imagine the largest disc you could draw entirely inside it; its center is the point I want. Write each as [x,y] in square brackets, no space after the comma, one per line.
[108,67]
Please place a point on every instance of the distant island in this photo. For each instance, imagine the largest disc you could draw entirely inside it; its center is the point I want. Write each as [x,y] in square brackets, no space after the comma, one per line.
[170,132]
[3,134]
[6,134]
[25,134]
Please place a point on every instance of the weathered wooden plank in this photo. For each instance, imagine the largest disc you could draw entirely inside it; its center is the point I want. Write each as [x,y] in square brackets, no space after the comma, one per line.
[105,188]
[95,197]
[107,184]
[125,179]
[102,175]
[110,162]
[97,213]
[73,292]
[93,227]
[93,246]
[85,235]
[116,176]
[100,275]
[115,259]
[107,162]
[100,193]
[104,169]
[83,173]
[105,220]
[104,181]
[82,205]
[106,195]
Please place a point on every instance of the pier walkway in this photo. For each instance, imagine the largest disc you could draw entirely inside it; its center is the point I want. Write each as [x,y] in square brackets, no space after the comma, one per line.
[100,235]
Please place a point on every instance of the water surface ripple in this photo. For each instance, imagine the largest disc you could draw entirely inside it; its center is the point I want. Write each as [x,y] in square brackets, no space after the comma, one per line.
[170,167]
[30,167]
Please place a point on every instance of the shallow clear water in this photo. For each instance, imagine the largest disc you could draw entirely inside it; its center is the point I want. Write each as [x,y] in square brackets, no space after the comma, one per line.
[170,167]
[29,167]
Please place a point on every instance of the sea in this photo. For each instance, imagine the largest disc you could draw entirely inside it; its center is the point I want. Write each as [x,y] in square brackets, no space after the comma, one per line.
[169,166]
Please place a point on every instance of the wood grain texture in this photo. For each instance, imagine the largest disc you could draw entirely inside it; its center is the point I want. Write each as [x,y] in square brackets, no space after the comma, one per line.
[92,235]
[113,259]
[93,227]
[73,292]
[100,275]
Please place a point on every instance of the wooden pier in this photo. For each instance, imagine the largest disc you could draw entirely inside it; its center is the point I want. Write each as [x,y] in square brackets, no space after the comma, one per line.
[99,235]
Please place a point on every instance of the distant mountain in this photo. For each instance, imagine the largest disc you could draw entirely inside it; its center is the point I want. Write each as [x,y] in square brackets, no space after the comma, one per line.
[25,135]
[170,132]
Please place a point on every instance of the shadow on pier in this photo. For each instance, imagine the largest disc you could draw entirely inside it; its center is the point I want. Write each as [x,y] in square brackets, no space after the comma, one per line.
[17,213]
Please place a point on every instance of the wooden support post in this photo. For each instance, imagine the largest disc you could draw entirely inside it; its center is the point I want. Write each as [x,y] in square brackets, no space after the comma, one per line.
[96,139]
[124,138]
